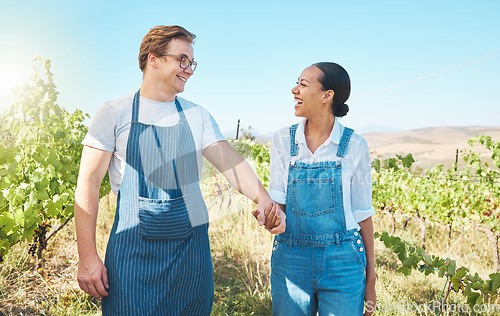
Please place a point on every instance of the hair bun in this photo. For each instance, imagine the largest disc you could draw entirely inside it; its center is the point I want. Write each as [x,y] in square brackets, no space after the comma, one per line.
[341,110]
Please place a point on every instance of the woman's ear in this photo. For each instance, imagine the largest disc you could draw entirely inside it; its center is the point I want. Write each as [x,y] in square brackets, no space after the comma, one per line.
[328,96]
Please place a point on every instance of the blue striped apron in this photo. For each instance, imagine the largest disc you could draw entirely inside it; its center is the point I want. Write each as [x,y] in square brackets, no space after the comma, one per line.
[158,262]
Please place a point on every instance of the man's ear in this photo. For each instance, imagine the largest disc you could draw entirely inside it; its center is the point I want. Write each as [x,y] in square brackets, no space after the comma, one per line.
[153,60]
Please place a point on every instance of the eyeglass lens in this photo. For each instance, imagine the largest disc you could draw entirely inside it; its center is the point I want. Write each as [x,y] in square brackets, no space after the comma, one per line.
[185,63]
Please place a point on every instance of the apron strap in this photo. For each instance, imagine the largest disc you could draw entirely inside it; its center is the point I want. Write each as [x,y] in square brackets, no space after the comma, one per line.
[182,119]
[294,150]
[180,110]
[135,107]
[344,142]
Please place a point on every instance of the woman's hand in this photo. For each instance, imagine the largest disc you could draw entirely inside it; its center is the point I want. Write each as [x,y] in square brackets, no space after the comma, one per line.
[370,293]
[371,277]
[271,216]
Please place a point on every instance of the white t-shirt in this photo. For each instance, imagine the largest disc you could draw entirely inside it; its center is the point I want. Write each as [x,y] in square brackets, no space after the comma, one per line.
[111,126]
[356,169]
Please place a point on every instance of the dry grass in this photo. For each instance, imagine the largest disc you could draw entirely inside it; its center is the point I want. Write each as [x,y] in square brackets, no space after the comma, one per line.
[241,253]
[52,289]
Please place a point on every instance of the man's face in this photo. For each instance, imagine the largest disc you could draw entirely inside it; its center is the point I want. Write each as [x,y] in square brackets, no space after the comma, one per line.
[171,74]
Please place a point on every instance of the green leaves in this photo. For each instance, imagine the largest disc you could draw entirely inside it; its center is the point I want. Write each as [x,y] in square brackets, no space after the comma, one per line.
[376,164]
[473,288]
[452,266]
[427,259]
[393,164]
[447,196]
[406,160]
[258,156]
[40,150]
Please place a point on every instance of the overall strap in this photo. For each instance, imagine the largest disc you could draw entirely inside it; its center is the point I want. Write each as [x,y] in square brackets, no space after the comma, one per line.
[294,150]
[344,142]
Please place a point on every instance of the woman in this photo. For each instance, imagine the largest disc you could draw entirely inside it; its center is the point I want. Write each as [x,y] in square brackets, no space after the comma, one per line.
[321,177]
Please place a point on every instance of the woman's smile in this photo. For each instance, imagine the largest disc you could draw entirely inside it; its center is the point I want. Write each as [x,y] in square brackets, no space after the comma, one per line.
[298,102]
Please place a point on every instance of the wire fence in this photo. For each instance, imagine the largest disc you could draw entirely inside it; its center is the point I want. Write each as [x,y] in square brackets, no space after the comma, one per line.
[446,177]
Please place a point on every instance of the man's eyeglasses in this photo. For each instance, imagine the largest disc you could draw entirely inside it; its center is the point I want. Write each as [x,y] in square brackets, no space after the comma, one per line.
[184,61]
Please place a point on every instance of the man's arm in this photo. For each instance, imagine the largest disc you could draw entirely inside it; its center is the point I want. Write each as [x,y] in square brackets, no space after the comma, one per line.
[242,177]
[92,275]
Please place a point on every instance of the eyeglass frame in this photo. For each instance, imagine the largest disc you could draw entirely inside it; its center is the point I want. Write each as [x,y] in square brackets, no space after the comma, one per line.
[191,62]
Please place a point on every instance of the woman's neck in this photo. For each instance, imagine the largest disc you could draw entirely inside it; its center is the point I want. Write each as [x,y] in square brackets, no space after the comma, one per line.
[317,131]
[319,127]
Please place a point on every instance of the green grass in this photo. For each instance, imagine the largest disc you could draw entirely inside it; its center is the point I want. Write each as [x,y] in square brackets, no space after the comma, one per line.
[241,254]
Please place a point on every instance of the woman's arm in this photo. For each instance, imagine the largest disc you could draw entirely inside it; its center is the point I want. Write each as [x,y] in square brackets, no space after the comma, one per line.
[242,177]
[368,240]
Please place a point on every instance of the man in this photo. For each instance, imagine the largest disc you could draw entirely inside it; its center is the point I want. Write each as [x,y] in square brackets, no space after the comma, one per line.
[158,256]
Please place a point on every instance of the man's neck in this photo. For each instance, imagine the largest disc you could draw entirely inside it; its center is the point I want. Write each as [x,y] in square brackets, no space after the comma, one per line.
[153,90]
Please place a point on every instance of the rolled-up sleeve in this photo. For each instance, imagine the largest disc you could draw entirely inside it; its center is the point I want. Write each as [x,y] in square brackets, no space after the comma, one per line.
[277,189]
[361,185]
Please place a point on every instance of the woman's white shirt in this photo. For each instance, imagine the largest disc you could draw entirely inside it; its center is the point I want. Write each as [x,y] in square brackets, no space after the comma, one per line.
[356,169]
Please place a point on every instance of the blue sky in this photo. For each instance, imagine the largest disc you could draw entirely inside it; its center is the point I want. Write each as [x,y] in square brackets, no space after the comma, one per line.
[250,54]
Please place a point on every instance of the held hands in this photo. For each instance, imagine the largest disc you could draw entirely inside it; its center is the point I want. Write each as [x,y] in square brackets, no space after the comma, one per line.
[271,216]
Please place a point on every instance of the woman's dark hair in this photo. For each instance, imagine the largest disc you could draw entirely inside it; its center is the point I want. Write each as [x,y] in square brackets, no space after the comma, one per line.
[336,78]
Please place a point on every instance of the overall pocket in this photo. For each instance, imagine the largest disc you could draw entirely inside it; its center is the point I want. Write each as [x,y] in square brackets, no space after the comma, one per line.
[312,197]
[164,219]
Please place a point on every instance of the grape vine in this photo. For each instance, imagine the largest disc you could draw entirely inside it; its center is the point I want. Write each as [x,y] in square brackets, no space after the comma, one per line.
[40,238]
[40,150]
[475,289]
[469,198]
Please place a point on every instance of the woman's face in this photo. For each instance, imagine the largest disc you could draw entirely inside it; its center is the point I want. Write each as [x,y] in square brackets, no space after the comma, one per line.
[308,93]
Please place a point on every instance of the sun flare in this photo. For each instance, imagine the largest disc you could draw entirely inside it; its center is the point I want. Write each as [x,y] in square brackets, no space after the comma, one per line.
[10,77]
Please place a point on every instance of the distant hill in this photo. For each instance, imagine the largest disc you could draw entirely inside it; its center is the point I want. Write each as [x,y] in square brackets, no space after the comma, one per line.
[376,129]
[259,138]
[429,146]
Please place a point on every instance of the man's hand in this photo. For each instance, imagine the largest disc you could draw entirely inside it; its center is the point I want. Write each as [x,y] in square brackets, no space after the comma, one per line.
[271,216]
[93,277]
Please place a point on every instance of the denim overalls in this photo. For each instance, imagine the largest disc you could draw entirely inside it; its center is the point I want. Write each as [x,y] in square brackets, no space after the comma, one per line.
[317,265]
[158,262]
